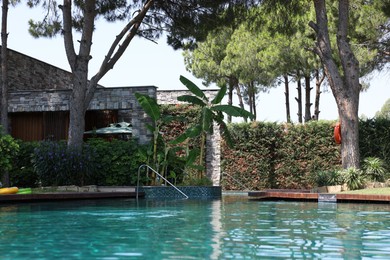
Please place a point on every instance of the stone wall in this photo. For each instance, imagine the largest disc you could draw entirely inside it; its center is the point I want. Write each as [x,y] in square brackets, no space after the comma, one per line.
[170,96]
[121,99]
[27,73]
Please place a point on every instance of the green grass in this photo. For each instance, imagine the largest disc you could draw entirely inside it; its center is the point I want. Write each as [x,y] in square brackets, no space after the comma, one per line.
[374,191]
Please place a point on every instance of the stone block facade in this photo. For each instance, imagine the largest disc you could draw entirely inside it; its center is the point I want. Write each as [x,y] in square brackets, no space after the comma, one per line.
[121,99]
[27,73]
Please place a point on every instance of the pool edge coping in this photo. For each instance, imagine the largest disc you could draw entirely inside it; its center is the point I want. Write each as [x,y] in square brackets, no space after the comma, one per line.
[338,197]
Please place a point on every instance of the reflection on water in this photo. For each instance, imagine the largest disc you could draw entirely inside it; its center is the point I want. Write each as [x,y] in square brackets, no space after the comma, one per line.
[231,228]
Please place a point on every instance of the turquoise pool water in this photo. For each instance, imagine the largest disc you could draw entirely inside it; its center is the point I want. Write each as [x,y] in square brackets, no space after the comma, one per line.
[231,228]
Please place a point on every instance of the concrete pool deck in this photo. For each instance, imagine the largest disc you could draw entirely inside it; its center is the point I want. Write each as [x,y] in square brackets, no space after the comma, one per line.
[320,197]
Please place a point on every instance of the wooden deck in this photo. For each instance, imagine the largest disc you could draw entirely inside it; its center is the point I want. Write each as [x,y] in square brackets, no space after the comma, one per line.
[320,197]
[58,196]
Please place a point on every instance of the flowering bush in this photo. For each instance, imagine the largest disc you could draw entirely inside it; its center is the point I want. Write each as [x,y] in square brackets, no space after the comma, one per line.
[57,164]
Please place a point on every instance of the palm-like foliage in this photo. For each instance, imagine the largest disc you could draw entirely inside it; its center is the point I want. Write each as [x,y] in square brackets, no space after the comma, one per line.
[211,112]
[375,169]
[152,109]
[354,178]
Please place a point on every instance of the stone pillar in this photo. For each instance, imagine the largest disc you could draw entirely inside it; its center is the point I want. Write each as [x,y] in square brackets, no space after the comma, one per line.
[139,121]
[213,156]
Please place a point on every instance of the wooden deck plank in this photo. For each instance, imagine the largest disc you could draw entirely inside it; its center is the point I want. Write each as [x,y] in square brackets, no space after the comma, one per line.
[340,197]
[55,196]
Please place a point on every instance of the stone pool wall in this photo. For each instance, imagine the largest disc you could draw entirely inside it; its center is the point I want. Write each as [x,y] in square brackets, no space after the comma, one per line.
[151,192]
[193,192]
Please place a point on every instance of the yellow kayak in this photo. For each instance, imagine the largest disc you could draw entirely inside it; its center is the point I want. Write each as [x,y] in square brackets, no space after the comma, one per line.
[11,190]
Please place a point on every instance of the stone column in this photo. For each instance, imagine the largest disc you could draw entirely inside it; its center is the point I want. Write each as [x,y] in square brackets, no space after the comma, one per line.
[213,156]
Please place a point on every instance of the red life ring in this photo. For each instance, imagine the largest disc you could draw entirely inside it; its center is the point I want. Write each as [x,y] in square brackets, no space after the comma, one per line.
[337,133]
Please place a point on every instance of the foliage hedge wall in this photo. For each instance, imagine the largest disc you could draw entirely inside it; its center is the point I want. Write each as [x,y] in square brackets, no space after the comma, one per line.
[266,155]
[374,139]
[286,156]
[101,163]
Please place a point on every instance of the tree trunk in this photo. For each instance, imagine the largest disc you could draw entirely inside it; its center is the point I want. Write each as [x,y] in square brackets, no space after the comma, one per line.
[253,94]
[240,99]
[4,81]
[230,96]
[349,133]
[4,69]
[83,91]
[319,81]
[287,96]
[345,87]
[307,99]
[239,95]
[77,110]
[250,99]
[299,98]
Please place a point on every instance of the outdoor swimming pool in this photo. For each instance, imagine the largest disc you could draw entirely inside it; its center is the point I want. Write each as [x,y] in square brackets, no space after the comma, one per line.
[231,228]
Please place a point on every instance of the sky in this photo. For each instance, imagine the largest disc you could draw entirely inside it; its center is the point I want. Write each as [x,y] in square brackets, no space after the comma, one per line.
[146,63]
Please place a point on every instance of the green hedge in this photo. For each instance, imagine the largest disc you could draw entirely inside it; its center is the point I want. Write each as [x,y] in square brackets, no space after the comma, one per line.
[101,162]
[23,174]
[285,156]
[374,139]
[266,155]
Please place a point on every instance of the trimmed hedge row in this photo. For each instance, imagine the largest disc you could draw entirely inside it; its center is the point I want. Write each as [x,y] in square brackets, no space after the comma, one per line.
[266,155]
[285,156]
[101,163]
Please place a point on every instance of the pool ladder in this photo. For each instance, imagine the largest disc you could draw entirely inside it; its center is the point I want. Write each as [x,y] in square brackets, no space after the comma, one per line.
[162,177]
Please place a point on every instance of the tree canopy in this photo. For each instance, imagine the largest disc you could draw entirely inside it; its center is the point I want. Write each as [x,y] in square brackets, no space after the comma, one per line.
[385,111]
[146,19]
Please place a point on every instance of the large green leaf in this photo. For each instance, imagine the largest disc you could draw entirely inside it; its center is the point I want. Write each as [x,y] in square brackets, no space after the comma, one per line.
[193,154]
[193,88]
[150,128]
[207,120]
[181,138]
[191,99]
[220,95]
[190,133]
[233,111]
[225,132]
[149,105]
[169,118]
[194,131]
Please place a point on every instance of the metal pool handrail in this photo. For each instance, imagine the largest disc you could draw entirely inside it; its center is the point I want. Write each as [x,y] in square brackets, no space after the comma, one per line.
[147,166]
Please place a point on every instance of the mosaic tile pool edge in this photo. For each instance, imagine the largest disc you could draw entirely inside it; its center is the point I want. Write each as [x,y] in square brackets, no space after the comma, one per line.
[202,192]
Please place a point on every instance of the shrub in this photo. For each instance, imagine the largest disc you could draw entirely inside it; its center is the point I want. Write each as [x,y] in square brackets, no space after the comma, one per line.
[101,162]
[9,148]
[57,164]
[374,139]
[374,169]
[354,178]
[23,174]
[116,162]
[327,178]
[190,181]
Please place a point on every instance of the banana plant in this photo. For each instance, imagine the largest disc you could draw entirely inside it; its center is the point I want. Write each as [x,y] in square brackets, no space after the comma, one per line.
[152,109]
[211,112]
